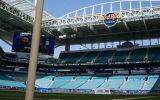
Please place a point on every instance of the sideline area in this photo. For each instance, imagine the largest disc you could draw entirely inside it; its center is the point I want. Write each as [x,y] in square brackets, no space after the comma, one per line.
[12,95]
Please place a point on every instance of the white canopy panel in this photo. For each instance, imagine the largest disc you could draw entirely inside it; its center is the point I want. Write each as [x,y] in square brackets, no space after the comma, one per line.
[28,8]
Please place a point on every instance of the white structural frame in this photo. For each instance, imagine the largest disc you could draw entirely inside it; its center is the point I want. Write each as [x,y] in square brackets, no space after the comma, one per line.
[28,8]
[20,14]
[14,7]
[89,16]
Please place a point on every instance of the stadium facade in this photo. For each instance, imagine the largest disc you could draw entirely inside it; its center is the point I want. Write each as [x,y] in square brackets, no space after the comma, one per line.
[130,64]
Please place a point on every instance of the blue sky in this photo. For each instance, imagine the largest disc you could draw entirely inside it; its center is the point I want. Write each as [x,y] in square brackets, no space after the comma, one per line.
[60,7]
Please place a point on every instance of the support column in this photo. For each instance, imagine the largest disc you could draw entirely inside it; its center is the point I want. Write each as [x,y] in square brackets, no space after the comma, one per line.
[92,46]
[34,51]
[67,45]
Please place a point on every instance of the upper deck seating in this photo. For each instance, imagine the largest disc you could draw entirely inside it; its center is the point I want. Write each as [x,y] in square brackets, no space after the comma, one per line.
[63,57]
[138,55]
[120,56]
[73,59]
[89,57]
[154,54]
[104,57]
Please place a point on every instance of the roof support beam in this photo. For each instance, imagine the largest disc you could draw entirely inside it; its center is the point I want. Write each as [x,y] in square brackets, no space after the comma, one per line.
[126,26]
[16,12]
[144,22]
[92,29]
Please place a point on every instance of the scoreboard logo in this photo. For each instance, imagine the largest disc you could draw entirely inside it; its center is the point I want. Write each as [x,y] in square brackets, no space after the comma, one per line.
[110,19]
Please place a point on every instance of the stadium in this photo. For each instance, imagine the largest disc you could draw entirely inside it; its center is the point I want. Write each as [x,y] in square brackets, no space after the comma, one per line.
[112,51]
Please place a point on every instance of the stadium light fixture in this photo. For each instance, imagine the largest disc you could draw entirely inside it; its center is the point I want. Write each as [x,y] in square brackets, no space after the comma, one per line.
[34,51]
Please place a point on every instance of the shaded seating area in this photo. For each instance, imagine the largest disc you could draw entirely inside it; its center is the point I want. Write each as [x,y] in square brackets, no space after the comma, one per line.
[154,54]
[111,56]
[104,56]
[120,57]
[138,55]
[74,57]
[89,57]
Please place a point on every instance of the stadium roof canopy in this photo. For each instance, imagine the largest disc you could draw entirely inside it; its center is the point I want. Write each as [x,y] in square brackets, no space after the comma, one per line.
[28,8]
[18,15]
[140,19]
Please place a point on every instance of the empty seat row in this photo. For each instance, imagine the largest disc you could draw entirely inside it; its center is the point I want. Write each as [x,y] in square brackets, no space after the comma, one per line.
[123,82]
[138,55]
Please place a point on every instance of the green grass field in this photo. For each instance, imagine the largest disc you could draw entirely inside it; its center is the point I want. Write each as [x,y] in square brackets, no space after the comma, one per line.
[14,95]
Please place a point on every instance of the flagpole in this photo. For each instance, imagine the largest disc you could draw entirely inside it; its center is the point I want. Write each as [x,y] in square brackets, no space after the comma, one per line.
[34,51]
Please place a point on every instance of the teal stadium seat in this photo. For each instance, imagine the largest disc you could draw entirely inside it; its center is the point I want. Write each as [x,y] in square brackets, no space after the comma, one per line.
[63,56]
[120,56]
[138,55]
[134,83]
[114,83]
[89,57]
[75,56]
[75,83]
[151,82]
[44,82]
[154,54]
[9,83]
[58,82]
[93,83]
[104,56]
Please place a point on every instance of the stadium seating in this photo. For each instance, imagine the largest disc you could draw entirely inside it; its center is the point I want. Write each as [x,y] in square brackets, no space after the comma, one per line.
[74,57]
[75,83]
[149,84]
[89,57]
[9,80]
[104,57]
[44,82]
[58,82]
[11,83]
[63,56]
[123,82]
[156,84]
[93,83]
[113,82]
[5,77]
[120,56]
[138,55]
[154,54]
[134,83]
